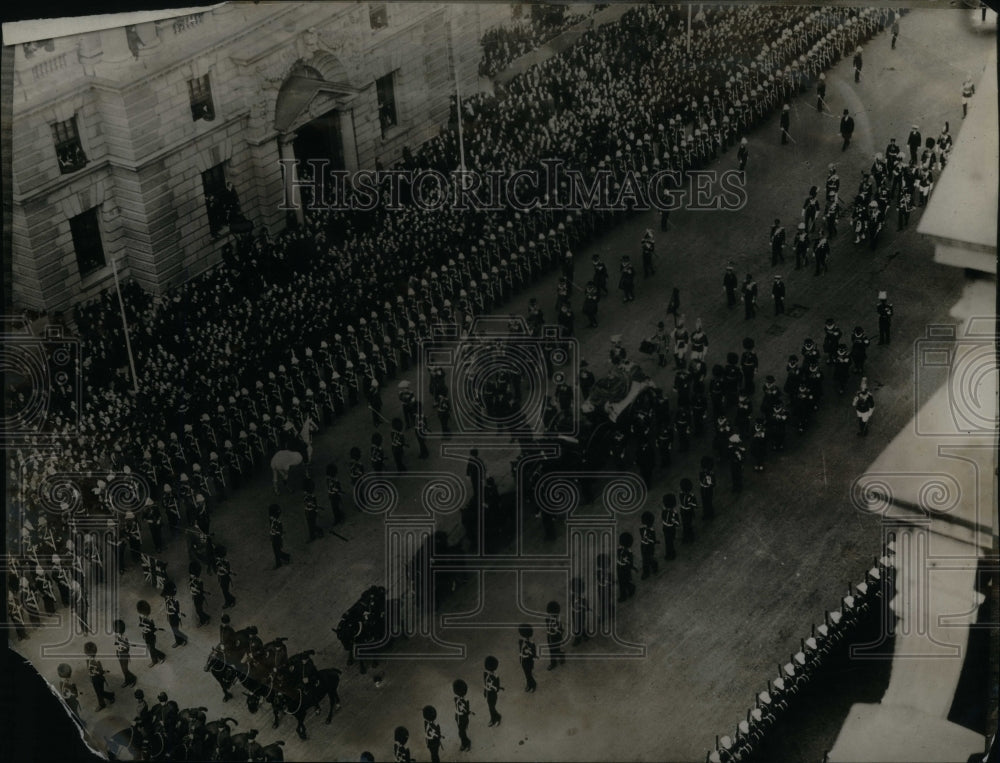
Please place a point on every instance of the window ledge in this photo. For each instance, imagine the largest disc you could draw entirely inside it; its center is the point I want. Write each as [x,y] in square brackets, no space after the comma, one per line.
[95,276]
[394,132]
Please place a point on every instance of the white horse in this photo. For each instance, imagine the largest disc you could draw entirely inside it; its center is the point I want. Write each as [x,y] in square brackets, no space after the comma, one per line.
[281,463]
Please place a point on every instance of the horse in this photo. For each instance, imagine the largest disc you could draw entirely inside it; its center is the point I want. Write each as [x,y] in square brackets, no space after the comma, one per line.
[239,745]
[221,671]
[308,696]
[214,737]
[281,464]
[268,754]
[148,745]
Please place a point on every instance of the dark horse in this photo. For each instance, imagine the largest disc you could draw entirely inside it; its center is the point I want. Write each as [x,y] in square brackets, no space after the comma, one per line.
[221,671]
[244,747]
[141,743]
[298,697]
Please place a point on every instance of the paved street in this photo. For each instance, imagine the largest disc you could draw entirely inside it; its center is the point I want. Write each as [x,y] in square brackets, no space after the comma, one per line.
[716,621]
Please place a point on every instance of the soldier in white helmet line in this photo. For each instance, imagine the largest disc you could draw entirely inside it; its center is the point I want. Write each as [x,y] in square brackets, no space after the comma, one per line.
[864,407]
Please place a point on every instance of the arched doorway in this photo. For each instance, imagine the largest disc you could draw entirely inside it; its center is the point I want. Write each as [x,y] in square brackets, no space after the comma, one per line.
[314,119]
[321,138]
[314,116]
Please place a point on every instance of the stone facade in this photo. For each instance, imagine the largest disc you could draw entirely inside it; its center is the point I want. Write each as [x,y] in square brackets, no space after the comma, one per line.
[127,90]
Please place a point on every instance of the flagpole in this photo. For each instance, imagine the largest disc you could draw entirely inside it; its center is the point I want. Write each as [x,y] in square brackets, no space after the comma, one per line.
[128,342]
[689,30]
[458,98]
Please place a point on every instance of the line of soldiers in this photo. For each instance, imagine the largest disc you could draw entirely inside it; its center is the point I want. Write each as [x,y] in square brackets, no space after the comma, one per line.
[58,567]
[725,399]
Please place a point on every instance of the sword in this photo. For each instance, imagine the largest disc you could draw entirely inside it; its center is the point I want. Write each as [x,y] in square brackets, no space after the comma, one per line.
[378,414]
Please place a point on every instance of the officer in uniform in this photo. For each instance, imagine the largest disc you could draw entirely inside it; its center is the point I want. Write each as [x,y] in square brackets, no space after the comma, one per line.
[749,297]
[699,342]
[758,445]
[122,650]
[864,407]
[831,340]
[904,207]
[846,128]
[748,364]
[590,302]
[681,341]
[420,432]
[736,455]
[443,407]
[492,688]
[554,634]
[148,630]
[859,349]
[198,593]
[462,713]
[578,611]
[174,614]
[334,492]
[97,673]
[968,90]
[778,295]
[648,248]
[398,442]
[647,545]
[400,752]
[706,481]
[742,154]
[842,368]
[821,251]
[857,64]
[311,510]
[688,504]
[408,402]
[151,513]
[67,689]
[913,142]
[775,425]
[527,654]
[277,532]
[224,574]
[626,280]
[729,284]
[625,563]
[432,733]
[821,93]
[884,310]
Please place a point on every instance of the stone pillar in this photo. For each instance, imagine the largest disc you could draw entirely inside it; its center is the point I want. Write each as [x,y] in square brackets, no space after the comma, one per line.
[90,52]
[286,152]
[149,34]
[348,139]
[115,46]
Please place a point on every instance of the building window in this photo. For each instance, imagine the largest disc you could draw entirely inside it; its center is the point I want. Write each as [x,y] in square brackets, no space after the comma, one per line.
[221,199]
[386,90]
[200,92]
[87,242]
[69,152]
[378,15]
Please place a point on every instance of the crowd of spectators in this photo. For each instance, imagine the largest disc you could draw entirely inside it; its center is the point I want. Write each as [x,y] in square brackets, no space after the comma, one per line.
[503,44]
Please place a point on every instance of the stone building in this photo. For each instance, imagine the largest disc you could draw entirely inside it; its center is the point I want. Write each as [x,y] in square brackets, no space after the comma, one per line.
[139,143]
